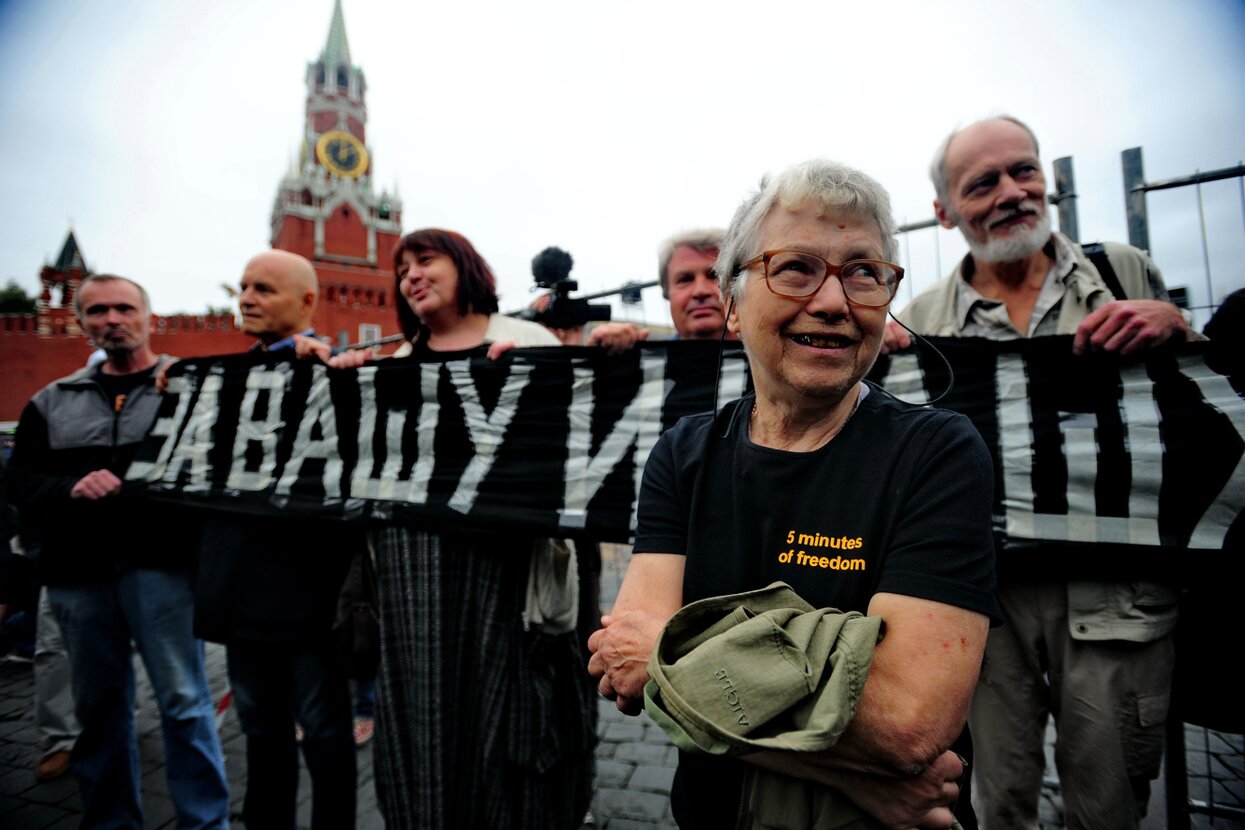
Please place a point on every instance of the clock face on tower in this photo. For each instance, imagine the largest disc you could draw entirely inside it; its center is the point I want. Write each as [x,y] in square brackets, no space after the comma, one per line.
[342,154]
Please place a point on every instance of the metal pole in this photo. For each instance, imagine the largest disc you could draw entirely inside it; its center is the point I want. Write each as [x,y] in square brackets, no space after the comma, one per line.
[917,226]
[1135,199]
[612,291]
[1208,176]
[1064,198]
[1241,180]
[907,251]
[371,344]
[1201,217]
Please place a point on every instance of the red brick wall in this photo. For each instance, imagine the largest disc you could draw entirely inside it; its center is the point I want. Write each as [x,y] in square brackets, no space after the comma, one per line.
[345,234]
[298,236]
[350,295]
[385,243]
[29,362]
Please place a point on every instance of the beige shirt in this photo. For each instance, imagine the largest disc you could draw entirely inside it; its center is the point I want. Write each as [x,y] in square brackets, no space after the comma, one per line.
[984,317]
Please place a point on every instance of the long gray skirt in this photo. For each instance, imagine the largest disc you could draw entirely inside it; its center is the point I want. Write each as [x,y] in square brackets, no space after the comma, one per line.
[478,723]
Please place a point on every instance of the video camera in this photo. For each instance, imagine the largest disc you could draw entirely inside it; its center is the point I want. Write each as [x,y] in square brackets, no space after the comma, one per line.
[551,269]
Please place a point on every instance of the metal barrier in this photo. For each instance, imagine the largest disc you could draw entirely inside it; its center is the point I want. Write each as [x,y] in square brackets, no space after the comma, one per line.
[1136,187]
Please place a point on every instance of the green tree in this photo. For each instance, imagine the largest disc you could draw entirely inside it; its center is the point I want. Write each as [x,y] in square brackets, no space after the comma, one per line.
[13,300]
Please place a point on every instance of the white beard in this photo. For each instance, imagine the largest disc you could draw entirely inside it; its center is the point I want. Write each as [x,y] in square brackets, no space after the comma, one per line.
[1014,247]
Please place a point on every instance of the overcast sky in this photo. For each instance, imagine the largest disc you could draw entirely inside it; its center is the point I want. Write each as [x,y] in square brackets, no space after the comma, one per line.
[161,129]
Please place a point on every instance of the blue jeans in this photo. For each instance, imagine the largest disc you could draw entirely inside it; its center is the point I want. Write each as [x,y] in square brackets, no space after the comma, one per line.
[154,609]
[275,684]
[54,718]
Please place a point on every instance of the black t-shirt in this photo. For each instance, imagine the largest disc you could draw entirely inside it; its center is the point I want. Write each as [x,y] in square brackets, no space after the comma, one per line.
[898,502]
[118,387]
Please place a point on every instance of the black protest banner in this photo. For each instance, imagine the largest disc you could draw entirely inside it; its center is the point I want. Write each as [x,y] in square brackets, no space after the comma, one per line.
[1095,450]
[1088,451]
[548,440]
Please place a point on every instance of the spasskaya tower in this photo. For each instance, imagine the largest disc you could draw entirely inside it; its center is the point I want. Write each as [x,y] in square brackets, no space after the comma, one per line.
[326,208]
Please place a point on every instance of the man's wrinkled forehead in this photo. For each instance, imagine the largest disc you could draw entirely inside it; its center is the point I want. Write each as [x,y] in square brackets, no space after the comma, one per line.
[689,258]
[282,270]
[986,144]
[118,290]
[261,270]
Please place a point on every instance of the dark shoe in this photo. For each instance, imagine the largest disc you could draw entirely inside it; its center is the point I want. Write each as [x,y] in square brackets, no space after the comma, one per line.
[53,765]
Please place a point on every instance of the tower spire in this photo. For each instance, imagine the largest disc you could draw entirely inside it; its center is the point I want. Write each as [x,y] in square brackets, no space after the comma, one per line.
[71,254]
[336,48]
[325,206]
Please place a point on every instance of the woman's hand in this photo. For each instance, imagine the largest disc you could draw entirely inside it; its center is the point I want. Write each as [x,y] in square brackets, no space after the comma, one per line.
[352,359]
[620,653]
[651,592]
[896,338]
[309,348]
[496,350]
[923,800]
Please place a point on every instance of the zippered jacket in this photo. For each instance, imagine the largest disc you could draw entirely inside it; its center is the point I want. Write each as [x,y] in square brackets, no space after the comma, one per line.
[68,429]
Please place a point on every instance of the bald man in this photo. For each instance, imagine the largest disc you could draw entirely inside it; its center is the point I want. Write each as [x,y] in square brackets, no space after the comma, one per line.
[278,296]
[267,588]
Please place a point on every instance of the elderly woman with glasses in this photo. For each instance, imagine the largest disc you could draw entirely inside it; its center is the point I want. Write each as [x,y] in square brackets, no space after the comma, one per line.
[859,502]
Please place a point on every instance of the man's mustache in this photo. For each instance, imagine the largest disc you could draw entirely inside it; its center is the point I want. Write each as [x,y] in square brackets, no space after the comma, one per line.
[1025,208]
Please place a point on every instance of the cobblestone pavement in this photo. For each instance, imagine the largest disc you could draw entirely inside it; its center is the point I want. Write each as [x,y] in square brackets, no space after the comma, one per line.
[635,762]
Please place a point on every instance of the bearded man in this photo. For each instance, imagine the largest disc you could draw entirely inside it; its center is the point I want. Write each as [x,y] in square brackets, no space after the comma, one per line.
[1097,655]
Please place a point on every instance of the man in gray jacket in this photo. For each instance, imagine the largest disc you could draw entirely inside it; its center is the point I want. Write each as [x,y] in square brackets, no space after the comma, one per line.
[117,570]
[1098,655]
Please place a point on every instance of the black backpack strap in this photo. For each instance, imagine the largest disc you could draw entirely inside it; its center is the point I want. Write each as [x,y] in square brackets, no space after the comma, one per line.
[1096,253]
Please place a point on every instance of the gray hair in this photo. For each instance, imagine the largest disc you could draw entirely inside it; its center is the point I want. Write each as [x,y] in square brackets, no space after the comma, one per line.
[938,167]
[705,240]
[77,295]
[833,186]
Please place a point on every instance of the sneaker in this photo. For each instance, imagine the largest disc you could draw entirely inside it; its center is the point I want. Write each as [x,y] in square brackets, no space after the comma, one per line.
[364,729]
[53,765]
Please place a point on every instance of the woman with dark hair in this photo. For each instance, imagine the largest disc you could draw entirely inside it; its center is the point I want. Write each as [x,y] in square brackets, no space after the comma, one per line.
[482,720]
[451,296]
